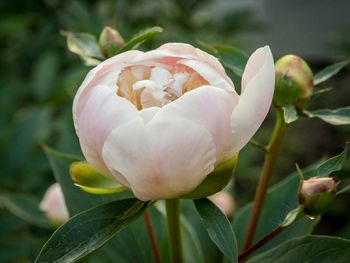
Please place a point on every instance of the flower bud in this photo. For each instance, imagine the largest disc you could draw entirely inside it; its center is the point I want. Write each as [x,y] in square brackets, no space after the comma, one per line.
[110,41]
[317,194]
[54,206]
[294,81]
[225,202]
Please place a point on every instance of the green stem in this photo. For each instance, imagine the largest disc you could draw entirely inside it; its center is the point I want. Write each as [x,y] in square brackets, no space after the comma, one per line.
[271,154]
[174,231]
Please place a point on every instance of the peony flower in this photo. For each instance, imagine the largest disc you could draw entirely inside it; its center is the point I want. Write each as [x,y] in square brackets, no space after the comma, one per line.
[160,121]
[54,206]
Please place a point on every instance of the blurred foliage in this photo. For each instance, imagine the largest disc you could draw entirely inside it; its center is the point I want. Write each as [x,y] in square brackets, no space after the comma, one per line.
[39,78]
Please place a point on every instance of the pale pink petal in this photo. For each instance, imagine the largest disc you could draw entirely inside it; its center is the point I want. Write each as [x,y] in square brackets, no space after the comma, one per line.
[148,113]
[209,74]
[103,111]
[190,52]
[179,80]
[181,49]
[157,55]
[171,53]
[209,107]
[101,75]
[148,84]
[54,206]
[257,91]
[224,201]
[150,98]
[164,158]
[160,76]
[186,49]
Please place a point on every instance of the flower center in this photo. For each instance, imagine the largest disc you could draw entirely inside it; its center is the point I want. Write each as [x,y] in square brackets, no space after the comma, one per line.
[157,86]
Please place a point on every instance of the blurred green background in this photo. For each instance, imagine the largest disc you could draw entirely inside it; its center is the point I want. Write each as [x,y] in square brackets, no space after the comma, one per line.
[39,77]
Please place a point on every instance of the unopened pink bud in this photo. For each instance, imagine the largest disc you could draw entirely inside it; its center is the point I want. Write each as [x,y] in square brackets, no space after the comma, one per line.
[317,194]
[224,201]
[54,206]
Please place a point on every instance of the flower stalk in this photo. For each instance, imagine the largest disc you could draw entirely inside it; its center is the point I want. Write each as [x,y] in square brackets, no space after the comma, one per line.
[291,218]
[271,154]
[174,231]
[152,237]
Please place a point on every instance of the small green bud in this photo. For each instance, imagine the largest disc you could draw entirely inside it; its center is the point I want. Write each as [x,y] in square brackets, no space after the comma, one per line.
[294,81]
[317,194]
[110,41]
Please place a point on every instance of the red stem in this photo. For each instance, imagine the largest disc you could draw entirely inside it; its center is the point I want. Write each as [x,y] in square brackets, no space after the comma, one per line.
[152,237]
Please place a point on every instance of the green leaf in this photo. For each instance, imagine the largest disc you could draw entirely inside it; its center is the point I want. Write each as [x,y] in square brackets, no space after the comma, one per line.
[311,249]
[280,200]
[232,58]
[329,72]
[25,207]
[192,248]
[140,38]
[88,179]
[89,230]
[131,244]
[344,190]
[207,48]
[339,116]
[76,200]
[290,114]
[218,227]
[331,165]
[85,45]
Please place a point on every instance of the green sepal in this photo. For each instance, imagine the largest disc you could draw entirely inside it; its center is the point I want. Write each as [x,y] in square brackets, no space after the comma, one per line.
[89,180]
[317,205]
[290,114]
[215,181]
[287,91]
[292,216]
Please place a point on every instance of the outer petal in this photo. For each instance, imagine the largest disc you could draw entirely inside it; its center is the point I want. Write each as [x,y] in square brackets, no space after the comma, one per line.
[148,113]
[258,83]
[210,107]
[102,112]
[185,49]
[162,159]
[97,76]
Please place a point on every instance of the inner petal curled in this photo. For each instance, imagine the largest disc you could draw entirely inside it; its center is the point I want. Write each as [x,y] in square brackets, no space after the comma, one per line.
[156,86]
